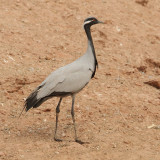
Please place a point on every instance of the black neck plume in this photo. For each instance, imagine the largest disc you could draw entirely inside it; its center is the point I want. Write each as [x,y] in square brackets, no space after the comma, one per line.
[88,33]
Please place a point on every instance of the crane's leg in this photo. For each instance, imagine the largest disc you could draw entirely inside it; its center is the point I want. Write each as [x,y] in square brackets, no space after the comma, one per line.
[72,113]
[57,113]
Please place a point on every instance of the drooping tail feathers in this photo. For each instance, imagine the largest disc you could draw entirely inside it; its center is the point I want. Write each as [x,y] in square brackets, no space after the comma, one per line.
[32,101]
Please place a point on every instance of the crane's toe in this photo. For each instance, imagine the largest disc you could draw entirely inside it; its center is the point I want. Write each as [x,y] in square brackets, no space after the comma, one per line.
[58,140]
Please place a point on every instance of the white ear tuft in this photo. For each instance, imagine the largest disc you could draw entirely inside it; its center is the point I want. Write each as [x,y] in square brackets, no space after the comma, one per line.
[89,21]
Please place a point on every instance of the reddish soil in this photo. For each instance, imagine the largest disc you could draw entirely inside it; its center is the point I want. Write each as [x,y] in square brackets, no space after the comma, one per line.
[118,113]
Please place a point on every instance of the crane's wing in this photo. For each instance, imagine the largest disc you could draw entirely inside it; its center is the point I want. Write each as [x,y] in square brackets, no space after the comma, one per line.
[66,82]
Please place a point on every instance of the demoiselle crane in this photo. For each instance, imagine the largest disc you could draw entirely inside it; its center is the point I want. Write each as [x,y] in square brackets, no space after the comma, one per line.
[67,80]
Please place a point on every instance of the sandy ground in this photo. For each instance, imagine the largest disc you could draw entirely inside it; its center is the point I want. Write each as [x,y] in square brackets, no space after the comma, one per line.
[117,114]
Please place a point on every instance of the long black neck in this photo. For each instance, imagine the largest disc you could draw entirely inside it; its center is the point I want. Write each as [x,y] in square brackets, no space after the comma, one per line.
[88,33]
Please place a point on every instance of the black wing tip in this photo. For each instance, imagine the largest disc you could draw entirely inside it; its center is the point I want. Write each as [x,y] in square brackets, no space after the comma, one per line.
[30,103]
[26,107]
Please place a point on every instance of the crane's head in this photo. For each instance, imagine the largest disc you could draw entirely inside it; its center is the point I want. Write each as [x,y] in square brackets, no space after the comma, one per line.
[91,21]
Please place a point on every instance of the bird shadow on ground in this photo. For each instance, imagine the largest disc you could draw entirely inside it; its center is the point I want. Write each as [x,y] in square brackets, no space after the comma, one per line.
[37,133]
[76,141]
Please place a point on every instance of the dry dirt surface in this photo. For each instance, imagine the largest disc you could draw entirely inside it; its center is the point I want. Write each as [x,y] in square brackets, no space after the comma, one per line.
[118,112]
